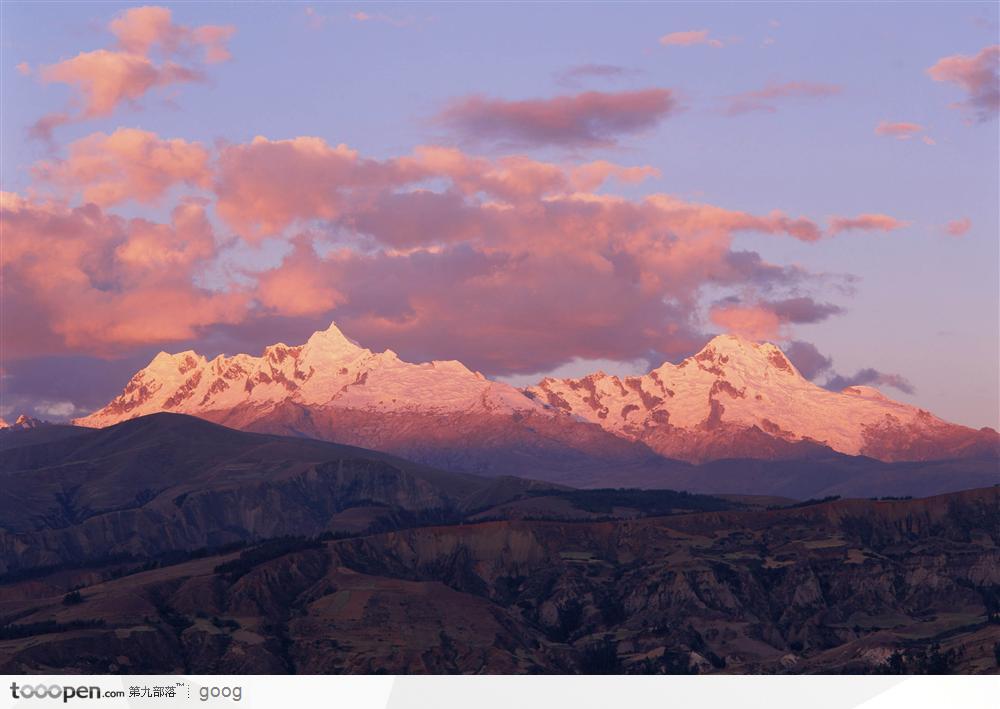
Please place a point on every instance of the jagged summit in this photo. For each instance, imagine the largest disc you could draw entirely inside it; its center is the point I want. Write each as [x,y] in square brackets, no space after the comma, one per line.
[731,345]
[741,357]
[330,342]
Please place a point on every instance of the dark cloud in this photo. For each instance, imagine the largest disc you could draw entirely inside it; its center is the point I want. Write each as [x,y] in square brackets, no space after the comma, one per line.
[749,267]
[807,359]
[592,118]
[812,364]
[871,377]
[802,310]
[60,387]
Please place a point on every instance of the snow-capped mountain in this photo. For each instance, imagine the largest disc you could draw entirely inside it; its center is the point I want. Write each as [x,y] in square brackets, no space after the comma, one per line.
[734,399]
[737,398]
[439,413]
[22,423]
[328,370]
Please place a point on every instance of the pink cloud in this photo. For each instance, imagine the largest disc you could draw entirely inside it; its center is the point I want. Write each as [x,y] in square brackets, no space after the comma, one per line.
[752,322]
[84,281]
[138,29]
[361,16]
[296,287]
[141,29]
[103,79]
[689,38]
[768,319]
[591,118]
[128,164]
[977,75]
[214,39]
[317,181]
[24,69]
[768,98]
[958,227]
[482,266]
[900,130]
[323,182]
[590,176]
[44,127]
[865,222]
[438,253]
[315,18]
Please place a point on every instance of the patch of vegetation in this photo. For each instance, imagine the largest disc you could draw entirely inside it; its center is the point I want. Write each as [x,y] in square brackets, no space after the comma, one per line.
[176,620]
[570,618]
[612,609]
[601,658]
[671,662]
[649,503]
[27,630]
[805,503]
[921,661]
[73,598]
[121,563]
[225,623]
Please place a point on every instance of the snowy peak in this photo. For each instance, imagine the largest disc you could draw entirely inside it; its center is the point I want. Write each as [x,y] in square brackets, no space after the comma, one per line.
[25,421]
[732,354]
[22,423]
[330,344]
[737,398]
[329,370]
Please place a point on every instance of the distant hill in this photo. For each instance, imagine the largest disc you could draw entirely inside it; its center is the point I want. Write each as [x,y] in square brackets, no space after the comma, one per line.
[170,482]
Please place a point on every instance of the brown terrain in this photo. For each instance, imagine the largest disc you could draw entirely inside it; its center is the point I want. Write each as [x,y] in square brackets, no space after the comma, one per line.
[168,544]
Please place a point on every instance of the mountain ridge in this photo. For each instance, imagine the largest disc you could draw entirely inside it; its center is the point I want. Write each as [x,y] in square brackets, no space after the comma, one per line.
[733,399]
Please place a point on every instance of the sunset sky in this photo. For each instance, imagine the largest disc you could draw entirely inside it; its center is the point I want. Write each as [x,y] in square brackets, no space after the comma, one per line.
[525,188]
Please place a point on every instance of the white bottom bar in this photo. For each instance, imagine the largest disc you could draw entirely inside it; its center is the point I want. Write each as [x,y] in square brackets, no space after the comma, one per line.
[501,692]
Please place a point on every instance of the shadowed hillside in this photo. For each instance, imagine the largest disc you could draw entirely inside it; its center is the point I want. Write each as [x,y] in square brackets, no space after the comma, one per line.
[846,586]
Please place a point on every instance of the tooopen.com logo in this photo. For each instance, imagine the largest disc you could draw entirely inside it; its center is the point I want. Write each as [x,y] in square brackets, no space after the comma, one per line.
[57,691]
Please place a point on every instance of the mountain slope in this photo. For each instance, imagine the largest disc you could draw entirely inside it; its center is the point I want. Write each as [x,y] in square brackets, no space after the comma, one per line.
[168,482]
